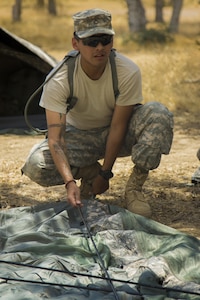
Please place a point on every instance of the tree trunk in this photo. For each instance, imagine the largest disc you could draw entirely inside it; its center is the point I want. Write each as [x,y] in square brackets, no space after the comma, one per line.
[40,3]
[159,11]
[136,15]
[16,11]
[174,22]
[52,7]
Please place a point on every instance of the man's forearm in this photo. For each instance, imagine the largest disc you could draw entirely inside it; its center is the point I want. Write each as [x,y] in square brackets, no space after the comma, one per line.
[56,139]
[59,155]
[113,146]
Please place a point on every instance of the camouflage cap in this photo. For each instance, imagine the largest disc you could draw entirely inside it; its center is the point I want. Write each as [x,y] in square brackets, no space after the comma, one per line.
[91,22]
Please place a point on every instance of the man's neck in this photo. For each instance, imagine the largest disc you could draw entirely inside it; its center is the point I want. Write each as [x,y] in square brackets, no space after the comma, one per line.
[93,72]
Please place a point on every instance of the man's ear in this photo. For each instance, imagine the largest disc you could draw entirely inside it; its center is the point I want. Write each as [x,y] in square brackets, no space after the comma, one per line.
[75,43]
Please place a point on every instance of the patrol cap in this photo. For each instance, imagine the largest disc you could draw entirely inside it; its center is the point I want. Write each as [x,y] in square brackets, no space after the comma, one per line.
[91,22]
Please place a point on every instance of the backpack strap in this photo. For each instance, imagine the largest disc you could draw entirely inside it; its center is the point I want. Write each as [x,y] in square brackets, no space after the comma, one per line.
[70,59]
[114,73]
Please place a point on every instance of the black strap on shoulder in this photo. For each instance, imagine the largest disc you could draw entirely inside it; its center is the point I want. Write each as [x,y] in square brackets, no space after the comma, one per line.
[71,58]
[114,73]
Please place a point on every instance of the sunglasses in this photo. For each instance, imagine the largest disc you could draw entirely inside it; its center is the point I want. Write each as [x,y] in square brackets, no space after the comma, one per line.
[93,41]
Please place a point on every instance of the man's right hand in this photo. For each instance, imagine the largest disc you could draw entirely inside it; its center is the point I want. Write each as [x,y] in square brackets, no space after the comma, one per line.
[73,194]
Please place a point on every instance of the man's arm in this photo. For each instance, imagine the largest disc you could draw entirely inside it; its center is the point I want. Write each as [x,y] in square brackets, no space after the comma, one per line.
[118,128]
[56,123]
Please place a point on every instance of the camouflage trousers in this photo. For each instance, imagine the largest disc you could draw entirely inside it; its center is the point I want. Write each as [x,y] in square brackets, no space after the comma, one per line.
[149,135]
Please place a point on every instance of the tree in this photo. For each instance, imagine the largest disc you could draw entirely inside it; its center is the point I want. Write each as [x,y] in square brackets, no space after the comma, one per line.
[52,7]
[136,15]
[17,8]
[16,11]
[159,11]
[40,3]
[176,10]
[137,19]
[174,22]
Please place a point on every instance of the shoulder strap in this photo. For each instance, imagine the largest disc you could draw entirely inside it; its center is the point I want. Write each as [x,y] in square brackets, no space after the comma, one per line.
[114,73]
[70,59]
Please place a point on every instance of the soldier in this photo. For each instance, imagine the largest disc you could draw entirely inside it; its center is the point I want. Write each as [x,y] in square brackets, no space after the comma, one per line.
[196,175]
[99,126]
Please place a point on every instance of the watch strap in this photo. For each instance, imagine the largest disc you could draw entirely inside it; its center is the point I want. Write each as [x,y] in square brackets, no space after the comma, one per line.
[106,174]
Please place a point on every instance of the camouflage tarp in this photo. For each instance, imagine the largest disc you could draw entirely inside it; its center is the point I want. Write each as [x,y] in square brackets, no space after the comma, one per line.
[58,259]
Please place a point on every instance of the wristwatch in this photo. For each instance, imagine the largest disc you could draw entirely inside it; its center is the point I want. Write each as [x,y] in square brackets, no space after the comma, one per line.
[106,174]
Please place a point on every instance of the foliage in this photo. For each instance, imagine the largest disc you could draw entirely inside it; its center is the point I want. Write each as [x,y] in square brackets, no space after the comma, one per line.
[152,35]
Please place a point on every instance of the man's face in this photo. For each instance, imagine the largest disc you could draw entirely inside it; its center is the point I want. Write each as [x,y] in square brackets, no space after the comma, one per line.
[94,50]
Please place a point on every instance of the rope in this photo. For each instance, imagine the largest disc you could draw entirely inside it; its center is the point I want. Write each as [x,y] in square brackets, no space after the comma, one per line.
[54,284]
[74,274]
[99,256]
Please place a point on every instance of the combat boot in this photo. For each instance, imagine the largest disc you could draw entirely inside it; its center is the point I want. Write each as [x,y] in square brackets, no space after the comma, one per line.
[198,154]
[134,198]
[87,175]
[196,176]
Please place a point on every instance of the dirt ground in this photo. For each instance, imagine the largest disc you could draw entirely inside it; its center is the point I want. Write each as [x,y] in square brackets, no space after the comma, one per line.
[174,200]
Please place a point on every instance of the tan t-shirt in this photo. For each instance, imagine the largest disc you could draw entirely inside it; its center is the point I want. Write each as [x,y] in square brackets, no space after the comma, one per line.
[96,100]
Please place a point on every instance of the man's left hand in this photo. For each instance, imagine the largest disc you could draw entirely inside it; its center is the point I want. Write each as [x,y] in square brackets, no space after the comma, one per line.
[100,185]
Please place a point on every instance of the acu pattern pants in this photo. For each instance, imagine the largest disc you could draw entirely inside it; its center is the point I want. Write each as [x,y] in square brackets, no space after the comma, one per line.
[149,135]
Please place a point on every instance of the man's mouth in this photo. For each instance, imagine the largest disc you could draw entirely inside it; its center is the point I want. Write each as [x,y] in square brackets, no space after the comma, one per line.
[99,55]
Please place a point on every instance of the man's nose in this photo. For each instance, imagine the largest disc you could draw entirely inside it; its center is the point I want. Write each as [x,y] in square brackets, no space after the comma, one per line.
[100,45]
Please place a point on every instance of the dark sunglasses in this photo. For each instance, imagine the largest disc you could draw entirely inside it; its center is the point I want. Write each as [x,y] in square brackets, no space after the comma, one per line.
[93,41]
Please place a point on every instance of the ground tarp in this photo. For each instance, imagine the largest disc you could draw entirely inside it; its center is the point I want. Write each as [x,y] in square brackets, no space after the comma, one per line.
[46,252]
